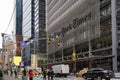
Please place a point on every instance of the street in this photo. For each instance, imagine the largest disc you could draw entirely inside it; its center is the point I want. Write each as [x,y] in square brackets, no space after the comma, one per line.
[61,78]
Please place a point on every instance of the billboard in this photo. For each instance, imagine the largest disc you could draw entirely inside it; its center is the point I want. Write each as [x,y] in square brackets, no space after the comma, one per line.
[17,60]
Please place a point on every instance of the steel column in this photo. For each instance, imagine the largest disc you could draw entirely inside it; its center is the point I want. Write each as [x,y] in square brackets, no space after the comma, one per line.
[114,35]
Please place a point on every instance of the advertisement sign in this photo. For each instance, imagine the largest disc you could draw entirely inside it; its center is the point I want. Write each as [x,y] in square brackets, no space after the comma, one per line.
[17,60]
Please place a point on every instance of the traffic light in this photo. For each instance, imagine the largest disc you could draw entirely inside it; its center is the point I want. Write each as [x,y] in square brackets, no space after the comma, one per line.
[58,42]
[73,56]
[49,40]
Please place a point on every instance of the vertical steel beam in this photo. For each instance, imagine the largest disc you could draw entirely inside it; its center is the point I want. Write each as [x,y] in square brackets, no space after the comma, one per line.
[114,35]
[90,62]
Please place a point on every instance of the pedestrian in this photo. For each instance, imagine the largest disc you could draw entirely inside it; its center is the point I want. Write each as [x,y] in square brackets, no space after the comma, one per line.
[30,75]
[44,74]
[1,74]
[52,74]
[11,72]
[49,74]
[15,72]
[24,72]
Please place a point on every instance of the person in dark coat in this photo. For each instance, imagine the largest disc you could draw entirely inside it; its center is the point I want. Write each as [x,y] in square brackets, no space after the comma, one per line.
[24,72]
[1,75]
[44,74]
[52,74]
[15,71]
[49,74]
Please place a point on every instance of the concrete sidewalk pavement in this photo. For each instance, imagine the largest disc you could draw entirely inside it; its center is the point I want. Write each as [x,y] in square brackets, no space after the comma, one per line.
[6,77]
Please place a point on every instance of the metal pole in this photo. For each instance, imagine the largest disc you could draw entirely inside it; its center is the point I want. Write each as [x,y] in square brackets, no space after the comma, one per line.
[74,62]
[90,62]
[3,54]
[114,35]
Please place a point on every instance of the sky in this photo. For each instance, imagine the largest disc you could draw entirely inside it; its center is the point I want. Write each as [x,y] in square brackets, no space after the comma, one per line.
[6,10]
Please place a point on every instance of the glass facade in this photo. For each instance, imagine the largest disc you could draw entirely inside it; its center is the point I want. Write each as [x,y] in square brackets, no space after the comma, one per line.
[39,26]
[19,17]
[27,28]
[18,28]
[27,19]
[34,26]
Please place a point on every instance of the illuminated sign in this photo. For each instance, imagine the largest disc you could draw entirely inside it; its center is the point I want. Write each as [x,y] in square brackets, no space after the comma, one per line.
[17,60]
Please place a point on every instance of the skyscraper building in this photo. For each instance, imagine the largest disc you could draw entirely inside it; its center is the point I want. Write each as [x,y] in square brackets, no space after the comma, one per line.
[34,27]
[27,29]
[87,28]
[39,26]
[40,30]
[18,25]
[19,14]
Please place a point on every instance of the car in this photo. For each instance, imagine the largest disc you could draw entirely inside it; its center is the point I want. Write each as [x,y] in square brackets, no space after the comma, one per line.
[98,73]
[35,72]
[81,72]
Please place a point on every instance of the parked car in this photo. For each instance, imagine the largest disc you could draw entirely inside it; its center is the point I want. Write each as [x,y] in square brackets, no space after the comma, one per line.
[98,73]
[81,72]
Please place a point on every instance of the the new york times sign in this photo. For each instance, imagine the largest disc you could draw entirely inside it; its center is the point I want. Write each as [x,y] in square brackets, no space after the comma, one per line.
[75,23]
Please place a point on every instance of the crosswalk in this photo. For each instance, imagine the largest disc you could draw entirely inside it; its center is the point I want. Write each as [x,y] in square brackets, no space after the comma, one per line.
[59,78]
[55,78]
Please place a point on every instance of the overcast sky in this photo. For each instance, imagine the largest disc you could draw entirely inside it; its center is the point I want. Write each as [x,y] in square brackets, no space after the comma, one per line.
[6,10]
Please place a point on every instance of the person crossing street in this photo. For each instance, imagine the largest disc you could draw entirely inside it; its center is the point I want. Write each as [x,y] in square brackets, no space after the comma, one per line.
[30,75]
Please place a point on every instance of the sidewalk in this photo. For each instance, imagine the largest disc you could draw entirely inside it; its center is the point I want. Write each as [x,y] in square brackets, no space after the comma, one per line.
[10,78]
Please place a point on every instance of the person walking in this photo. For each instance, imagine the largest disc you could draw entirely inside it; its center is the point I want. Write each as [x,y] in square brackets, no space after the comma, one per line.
[52,74]
[30,75]
[49,74]
[1,74]
[11,72]
[24,72]
[44,74]
[15,72]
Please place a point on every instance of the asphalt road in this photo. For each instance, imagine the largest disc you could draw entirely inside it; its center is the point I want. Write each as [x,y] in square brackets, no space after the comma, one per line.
[62,78]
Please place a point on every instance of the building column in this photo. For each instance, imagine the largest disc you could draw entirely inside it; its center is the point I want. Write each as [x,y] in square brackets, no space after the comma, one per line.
[74,62]
[62,55]
[114,35]
[90,62]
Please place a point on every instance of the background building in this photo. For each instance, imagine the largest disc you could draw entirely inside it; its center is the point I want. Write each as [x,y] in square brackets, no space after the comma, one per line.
[27,29]
[18,26]
[40,29]
[34,28]
[86,28]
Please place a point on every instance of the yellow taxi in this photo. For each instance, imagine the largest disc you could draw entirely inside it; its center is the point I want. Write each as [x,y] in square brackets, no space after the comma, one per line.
[81,72]
[35,72]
